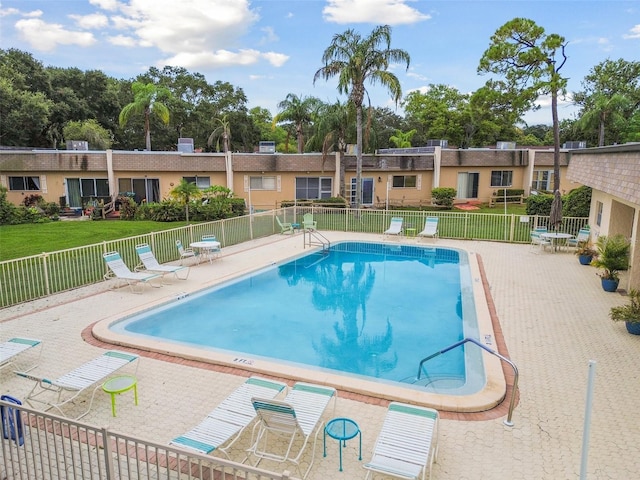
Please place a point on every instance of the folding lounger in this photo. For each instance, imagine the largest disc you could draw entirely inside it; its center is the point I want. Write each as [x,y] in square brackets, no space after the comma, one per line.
[430,228]
[223,426]
[395,228]
[121,271]
[63,390]
[151,264]
[407,444]
[298,416]
[14,347]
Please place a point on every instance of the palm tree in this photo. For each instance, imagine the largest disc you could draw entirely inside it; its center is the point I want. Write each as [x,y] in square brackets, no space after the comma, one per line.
[355,60]
[298,111]
[186,191]
[223,130]
[402,139]
[146,101]
[605,110]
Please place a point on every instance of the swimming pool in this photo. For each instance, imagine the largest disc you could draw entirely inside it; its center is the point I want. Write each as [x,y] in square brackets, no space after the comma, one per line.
[373,335]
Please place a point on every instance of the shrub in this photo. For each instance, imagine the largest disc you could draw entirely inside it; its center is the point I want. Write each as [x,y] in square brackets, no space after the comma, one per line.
[128,208]
[443,196]
[539,204]
[577,202]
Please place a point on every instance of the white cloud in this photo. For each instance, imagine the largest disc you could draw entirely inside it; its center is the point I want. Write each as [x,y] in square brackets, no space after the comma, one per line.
[269,35]
[122,41]
[417,76]
[5,12]
[389,12]
[275,59]
[93,21]
[45,37]
[634,32]
[109,5]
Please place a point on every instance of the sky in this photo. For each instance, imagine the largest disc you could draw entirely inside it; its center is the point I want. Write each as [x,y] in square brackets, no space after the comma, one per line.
[271,48]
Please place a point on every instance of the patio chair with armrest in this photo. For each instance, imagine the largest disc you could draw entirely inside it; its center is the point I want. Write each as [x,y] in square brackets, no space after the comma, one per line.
[285,227]
[582,237]
[185,252]
[291,422]
[308,223]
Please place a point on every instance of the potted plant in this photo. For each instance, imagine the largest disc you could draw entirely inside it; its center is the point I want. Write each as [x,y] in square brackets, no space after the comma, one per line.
[612,257]
[629,313]
[585,253]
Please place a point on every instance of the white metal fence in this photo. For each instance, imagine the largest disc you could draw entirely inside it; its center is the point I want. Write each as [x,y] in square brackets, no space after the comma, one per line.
[37,445]
[28,278]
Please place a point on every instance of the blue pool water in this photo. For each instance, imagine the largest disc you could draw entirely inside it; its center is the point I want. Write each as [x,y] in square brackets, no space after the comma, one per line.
[363,309]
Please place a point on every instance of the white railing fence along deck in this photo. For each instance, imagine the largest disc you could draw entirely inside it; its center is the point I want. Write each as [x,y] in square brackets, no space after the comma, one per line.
[41,446]
[29,278]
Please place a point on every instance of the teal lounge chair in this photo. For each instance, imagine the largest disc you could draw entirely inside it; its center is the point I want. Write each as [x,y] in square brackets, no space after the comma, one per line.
[150,263]
[396,226]
[121,271]
[407,445]
[430,228]
[65,389]
[223,426]
[14,348]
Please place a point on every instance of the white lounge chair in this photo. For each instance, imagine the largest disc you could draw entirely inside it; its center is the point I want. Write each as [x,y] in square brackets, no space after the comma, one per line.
[538,241]
[395,228]
[151,264]
[121,271]
[14,347]
[407,445]
[430,228]
[223,426]
[293,421]
[63,390]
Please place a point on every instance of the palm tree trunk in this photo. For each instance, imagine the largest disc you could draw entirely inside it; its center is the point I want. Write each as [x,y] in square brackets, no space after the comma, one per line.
[358,155]
[147,128]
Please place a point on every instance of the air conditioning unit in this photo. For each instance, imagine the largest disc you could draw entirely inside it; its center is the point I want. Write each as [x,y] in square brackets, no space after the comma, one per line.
[185,145]
[506,145]
[267,146]
[438,143]
[77,145]
[574,145]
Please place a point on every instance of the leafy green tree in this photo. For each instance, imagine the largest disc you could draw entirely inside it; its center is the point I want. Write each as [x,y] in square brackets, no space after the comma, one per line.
[185,192]
[531,61]
[437,112]
[298,111]
[24,115]
[356,60]
[384,123]
[91,131]
[147,100]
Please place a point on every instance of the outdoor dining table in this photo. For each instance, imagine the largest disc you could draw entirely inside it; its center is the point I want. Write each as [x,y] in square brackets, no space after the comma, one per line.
[554,237]
[206,248]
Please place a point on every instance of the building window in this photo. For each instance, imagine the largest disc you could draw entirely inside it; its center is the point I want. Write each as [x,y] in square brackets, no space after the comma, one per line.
[24,183]
[501,178]
[201,182]
[599,208]
[313,188]
[262,183]
[542,180]
[404,181]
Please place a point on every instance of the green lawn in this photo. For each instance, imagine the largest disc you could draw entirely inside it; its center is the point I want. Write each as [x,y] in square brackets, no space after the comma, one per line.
[18,241]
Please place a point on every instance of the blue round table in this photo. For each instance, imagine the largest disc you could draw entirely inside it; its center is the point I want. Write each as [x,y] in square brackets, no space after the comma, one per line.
[342,429]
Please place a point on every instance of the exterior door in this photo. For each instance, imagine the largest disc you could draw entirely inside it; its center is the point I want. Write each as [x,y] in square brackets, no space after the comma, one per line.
[468,185]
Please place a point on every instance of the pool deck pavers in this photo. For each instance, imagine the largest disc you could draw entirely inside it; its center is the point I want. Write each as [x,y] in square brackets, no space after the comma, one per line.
[553,314]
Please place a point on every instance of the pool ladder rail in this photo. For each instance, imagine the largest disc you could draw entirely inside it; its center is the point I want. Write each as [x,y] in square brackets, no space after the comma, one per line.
[508,422]
[316,239]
